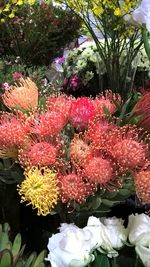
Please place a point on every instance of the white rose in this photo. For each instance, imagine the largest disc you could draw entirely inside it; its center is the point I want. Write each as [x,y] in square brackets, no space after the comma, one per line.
[100,238]
[142,13]
[71,248]
[144,254]
[115,231]
[139,229]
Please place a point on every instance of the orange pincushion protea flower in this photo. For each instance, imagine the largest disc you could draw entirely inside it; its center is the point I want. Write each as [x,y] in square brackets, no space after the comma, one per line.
[60,104]
[24,95]
[38,153]
[47,124]
[102,102]
[79,151]
[129,153]
[142,185]
[13,131]
[99,170]
[74,188]
[102,134]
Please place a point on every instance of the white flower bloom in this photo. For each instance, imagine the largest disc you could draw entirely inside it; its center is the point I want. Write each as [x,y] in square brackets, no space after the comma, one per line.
[142,13]
[116,232]
[144,254]
[99,236]
[81,64]
[71,247]
[139,229]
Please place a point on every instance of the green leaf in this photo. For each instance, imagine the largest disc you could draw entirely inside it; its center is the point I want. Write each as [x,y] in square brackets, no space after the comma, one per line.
[6,227]
[107,202]
[30,260]
[101,261]
[40,258]
[4,240]
[96,203]
[6,259]
[124,192]
[19,264]
[16,245]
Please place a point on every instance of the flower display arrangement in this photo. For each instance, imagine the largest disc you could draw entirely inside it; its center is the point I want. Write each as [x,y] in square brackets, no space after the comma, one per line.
[78,158]
[82,156]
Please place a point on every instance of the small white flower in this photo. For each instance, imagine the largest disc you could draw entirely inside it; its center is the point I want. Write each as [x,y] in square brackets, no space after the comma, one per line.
[139,229]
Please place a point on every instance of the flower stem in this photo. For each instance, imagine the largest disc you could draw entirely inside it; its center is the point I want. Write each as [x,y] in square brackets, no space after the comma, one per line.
[145,36]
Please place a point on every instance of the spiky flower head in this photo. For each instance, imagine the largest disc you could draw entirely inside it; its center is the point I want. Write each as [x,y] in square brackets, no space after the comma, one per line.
[13,130]
[82,110]
[74,188]
[142,185]
[106,101]
[37,153]
[129,153]
[79,150]
[40,189]
[47,124]
[60,104]
[100,132]
[98,170]
[23,95]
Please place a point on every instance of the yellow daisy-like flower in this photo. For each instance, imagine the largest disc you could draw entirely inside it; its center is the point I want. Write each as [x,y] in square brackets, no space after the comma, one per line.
[40,189]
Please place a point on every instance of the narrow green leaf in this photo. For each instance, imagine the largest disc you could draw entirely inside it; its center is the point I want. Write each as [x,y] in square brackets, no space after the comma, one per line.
[40,258]
[4,240]
[30,260]
[16,245]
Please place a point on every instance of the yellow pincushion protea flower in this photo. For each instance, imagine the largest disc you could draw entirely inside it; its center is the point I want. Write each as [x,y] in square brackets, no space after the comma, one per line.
[40,189]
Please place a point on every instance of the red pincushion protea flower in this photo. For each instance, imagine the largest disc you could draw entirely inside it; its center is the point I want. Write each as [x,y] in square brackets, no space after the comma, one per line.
[98,170]
[142,108]
[142,185]
[82,111]
[24,95]
[47,124]
[38,154]
[79,151]
[74,188]
[129,153]
[60,104]
[12,130]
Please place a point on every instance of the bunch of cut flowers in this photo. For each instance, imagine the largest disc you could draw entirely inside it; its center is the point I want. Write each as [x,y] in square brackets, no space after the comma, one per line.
[74,152]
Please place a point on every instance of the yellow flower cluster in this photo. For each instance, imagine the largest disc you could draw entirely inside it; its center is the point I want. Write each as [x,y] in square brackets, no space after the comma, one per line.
[10,7]
[40,189]
[98,7]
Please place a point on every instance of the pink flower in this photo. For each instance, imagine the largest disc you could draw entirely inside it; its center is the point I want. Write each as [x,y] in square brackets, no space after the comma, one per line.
[17,76]
[82,111]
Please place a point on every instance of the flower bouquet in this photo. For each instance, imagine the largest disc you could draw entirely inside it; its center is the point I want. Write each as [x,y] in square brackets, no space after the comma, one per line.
[77,157]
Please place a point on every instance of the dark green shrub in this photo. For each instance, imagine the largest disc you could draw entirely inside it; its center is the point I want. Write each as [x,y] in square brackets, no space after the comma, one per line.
[38,33]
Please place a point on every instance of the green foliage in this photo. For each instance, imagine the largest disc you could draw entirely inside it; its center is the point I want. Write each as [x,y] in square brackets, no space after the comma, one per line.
[12,252]
[37,33]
